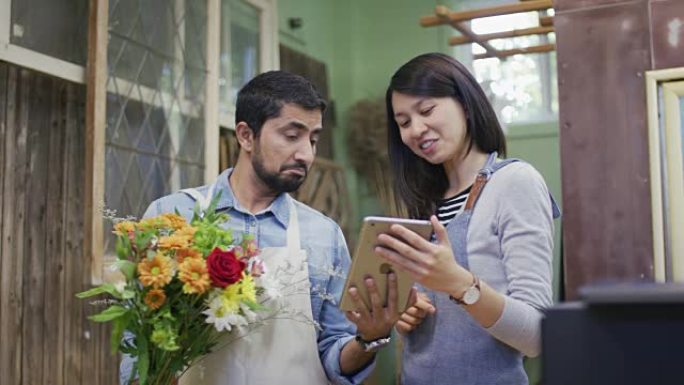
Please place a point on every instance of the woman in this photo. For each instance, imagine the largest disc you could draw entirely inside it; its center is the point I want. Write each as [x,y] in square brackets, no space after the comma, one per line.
[488,270]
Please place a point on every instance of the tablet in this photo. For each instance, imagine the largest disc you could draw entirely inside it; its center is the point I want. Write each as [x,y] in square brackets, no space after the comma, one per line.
[367,263]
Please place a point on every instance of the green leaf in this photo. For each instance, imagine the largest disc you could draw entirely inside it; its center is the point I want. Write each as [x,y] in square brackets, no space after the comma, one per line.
[254,306]
[143,358]
[118,327]
[127,268]
[104,288]
[112,312]
[123,247]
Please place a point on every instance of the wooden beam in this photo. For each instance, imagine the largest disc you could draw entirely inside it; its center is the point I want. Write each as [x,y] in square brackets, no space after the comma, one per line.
[456,40]
[443,12]
[534,5]
[96,104]
[516,51]
[546,21]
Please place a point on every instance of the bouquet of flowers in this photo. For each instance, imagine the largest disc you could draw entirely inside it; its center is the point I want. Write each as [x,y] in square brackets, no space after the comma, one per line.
[185,284]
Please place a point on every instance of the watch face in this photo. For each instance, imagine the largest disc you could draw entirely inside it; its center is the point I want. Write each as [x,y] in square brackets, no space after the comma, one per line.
[471,295]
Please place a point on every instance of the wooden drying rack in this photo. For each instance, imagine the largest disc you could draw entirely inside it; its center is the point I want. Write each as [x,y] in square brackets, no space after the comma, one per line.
[458,20]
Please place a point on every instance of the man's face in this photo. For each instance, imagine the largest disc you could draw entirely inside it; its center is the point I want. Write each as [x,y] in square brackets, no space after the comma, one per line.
[286,146]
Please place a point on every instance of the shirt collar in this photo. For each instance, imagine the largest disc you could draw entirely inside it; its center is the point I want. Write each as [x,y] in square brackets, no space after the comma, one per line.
[279,207]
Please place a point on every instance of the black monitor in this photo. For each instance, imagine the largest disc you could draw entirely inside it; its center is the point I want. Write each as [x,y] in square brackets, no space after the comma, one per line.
[618,335]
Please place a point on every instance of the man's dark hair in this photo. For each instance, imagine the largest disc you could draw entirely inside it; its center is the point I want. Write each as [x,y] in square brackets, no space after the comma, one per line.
[418,183]
[263,97]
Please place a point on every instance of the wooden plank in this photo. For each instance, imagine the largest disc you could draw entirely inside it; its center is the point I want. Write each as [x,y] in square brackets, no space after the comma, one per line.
[13,236]
[96,103]
[443,12]
[607,217]
[3,174]
[516,51]
[35,107]
[53,349]
[546,21]
[457,40]
[74,333]
[535,5]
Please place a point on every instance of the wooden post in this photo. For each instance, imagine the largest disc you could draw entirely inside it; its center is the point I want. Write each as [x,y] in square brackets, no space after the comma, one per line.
[96,104]
[546,21]
[457,40]
[534,5]
[516,51]
[443,12]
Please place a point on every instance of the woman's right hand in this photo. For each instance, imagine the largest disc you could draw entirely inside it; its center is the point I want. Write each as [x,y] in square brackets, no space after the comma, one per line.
[415,313]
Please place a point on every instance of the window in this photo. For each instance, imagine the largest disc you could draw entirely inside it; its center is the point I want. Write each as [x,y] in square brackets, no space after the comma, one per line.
[665,98]
[248,46]
[48,36]
[155,104]
[522,88]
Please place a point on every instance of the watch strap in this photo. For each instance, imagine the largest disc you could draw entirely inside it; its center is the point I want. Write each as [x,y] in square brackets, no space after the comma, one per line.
[373,345]
[475,284]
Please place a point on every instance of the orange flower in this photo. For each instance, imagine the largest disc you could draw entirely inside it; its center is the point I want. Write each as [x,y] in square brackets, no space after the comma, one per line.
[174,241]
[193,272]
[186,231]
[124,227]
[173,221]
[155,298]
[155,272]
[183,254]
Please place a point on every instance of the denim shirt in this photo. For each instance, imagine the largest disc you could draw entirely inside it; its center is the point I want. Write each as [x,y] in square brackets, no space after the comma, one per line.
[327,253]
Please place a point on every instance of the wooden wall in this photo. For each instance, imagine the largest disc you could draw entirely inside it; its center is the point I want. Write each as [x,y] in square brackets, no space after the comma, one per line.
[604,48]
[45,337]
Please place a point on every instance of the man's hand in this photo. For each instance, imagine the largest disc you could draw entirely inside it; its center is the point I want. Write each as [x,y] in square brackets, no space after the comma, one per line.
[377,321]
[414,314]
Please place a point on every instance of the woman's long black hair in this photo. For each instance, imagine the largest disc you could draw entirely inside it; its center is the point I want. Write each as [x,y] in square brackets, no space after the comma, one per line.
[418,183]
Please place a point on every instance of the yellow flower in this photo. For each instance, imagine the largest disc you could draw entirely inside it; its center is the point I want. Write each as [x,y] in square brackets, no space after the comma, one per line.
[155,272]
[193,273]
[124,227]
[231,298]
[247,288]
[175,241]
[173,221]
[155,298]
[243,290]
[183,254]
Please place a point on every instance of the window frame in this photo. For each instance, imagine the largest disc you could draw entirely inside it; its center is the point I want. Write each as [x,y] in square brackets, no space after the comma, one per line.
[269,53]
[664,90]
[27,58]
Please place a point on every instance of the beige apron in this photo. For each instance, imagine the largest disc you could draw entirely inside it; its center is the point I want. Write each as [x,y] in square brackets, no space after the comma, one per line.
[281,350]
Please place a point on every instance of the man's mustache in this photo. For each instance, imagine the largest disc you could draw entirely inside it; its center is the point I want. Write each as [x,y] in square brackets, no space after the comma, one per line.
[296,166]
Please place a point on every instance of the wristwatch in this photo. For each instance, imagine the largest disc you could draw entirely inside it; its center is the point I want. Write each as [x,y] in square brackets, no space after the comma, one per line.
[374,345]
[471,295]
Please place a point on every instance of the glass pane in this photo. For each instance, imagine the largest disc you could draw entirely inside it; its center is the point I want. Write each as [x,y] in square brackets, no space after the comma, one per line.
[239,58]
[522,87]
[57,28]
[155,105]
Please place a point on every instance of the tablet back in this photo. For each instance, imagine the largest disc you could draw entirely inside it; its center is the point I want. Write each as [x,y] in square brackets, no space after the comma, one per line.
[367,263]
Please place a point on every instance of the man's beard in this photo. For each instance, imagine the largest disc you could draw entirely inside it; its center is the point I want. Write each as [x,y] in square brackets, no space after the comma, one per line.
[274,180]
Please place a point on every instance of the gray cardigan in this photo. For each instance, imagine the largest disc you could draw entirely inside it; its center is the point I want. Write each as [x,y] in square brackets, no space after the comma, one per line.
[510,246]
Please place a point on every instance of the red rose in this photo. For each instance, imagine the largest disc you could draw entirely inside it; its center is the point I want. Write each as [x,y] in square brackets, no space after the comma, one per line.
[224,267]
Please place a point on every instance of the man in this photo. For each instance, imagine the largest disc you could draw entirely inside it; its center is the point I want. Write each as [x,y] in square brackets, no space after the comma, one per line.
[278,122]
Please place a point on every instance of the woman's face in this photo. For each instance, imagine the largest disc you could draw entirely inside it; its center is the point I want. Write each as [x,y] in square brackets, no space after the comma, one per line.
[433,128]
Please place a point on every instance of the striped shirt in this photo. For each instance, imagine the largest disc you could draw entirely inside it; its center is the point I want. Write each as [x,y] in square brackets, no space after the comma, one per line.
[449,207]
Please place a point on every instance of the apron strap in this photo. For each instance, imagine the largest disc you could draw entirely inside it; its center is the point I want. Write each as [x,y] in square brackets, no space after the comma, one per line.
[490,167]
[293,240]
[204,201]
